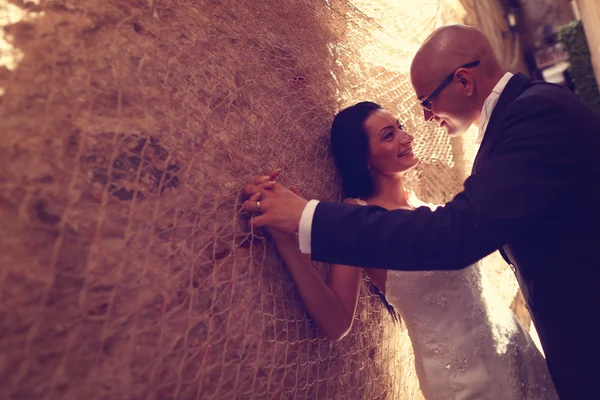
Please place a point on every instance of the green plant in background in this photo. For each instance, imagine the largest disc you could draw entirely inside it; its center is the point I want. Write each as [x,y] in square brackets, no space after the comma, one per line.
[572,36]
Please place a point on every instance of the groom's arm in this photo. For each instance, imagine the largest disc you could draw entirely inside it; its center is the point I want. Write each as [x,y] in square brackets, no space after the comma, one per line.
[531,169]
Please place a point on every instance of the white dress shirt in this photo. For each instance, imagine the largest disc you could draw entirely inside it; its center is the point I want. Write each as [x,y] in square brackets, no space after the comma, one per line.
[305,228]
[489,104]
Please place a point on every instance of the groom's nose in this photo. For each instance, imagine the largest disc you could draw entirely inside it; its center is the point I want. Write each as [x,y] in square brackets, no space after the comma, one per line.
[428,115]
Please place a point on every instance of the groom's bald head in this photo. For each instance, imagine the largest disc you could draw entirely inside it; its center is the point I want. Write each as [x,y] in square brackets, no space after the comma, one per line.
[458,105]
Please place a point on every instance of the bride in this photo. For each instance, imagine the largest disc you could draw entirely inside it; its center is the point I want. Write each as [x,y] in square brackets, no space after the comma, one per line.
[467,344]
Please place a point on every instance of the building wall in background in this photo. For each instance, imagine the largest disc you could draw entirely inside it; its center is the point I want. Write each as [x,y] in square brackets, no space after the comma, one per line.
[589,11]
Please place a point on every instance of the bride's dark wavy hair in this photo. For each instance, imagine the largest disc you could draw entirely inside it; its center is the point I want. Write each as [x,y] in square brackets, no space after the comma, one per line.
[350,148]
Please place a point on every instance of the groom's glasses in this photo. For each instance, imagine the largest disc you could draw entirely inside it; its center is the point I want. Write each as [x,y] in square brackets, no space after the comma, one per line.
[426,104]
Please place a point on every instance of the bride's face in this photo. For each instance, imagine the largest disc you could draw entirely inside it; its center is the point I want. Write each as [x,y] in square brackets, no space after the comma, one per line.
[390,147]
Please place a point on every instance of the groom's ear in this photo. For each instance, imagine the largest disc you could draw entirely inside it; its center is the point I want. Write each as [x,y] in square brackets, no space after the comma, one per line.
[466,80]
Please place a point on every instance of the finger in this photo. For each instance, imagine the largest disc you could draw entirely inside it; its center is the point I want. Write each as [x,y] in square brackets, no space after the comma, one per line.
[250,206]
[274,174]
[269,177]
[294,189]
[254,198]
[267,185]
[249,190]
[278,187]
[260,179]
[258,221]
[267,193]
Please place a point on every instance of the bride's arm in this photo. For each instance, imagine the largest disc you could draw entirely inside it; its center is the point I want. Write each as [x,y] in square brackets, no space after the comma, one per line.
[331,304]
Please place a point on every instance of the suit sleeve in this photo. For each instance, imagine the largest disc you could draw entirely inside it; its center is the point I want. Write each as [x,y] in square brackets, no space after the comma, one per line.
[533,166]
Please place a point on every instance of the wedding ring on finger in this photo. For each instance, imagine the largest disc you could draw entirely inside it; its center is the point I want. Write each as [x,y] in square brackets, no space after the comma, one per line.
[258,206]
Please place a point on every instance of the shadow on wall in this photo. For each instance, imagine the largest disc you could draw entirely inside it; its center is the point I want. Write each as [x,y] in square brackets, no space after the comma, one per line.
[128,130]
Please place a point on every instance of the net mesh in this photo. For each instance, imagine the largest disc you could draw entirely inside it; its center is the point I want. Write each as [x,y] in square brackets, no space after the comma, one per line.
[128,130]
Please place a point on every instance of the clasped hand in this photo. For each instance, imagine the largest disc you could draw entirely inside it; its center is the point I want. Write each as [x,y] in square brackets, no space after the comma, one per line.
[276,207]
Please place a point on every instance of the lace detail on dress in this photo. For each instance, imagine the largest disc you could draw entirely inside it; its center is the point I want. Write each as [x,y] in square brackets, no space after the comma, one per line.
[467,344]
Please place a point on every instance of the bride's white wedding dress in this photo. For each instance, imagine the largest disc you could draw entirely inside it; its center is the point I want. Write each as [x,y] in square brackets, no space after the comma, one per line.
[467,343]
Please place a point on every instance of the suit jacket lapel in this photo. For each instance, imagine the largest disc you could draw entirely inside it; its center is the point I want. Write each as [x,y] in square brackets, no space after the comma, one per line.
[513,89]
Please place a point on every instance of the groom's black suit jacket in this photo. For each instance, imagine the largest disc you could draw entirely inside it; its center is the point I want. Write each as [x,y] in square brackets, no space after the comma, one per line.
[534,195]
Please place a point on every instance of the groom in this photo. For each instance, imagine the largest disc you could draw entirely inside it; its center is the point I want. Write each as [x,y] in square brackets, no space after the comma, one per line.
[534,194]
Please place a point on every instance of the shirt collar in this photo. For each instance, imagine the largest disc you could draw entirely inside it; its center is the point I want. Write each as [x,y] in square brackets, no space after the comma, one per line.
[490,103]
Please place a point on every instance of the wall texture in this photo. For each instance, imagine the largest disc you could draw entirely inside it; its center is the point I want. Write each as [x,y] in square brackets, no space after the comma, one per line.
[537,13]
[128,129]
[590,16]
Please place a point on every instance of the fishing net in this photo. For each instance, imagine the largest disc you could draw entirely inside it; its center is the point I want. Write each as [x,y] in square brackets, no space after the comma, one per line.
[128,130]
